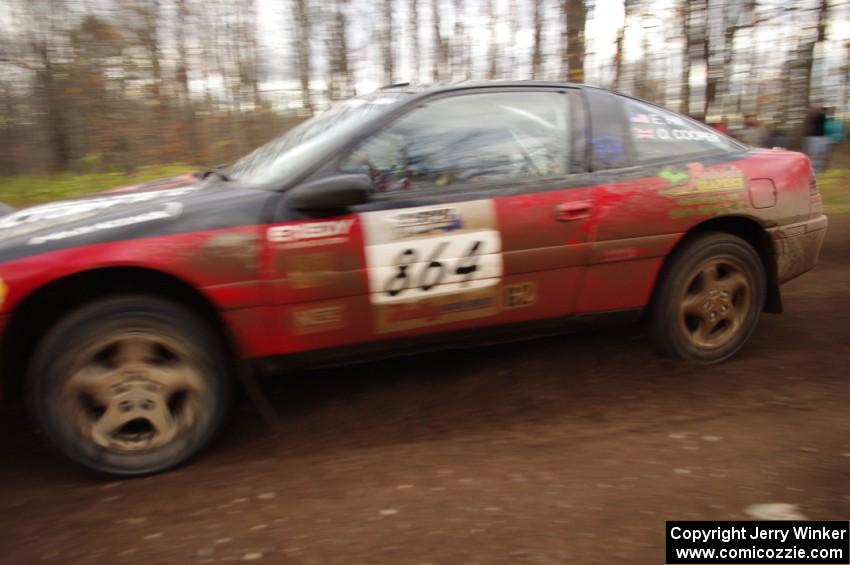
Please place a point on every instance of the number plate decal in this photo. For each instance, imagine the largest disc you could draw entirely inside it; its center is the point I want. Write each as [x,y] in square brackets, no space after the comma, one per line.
[433,264]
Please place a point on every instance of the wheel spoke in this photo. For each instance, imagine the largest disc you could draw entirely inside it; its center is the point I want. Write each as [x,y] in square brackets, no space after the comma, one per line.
[103,431]
[733,282]
[93,380]
[135,350]
[709,273]
[706,327]
[163,422]
[178,377]
[693,305]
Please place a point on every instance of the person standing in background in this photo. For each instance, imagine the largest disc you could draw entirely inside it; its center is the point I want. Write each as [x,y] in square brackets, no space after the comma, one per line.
[816,143]
[834,131]
[776,138]
[752,133]
[720,125]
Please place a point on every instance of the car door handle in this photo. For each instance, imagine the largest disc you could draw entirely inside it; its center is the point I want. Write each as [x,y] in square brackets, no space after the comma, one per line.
[569,211]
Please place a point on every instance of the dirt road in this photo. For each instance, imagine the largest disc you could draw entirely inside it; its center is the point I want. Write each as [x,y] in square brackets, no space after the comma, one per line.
[568,449]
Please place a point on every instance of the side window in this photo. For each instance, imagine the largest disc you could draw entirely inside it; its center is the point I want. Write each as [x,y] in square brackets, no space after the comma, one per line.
[657,133]
[609,141]
[468,140]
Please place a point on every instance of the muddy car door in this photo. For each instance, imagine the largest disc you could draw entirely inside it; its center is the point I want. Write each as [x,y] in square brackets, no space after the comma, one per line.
[480,213]
[657,174]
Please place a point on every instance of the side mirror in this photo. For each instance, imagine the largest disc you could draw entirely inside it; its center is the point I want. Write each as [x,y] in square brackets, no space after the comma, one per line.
[331,193]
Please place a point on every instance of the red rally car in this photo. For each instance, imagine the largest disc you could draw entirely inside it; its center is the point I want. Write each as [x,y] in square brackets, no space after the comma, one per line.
[404,219]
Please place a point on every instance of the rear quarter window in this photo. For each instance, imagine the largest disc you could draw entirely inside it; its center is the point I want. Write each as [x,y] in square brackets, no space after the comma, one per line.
[658,134]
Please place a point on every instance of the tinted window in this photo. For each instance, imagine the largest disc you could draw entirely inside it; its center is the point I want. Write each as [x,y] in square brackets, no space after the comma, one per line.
[468,140]
[609,141]
[657,133]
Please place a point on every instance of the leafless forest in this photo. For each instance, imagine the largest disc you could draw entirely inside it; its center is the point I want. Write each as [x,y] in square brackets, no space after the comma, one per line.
[96,85]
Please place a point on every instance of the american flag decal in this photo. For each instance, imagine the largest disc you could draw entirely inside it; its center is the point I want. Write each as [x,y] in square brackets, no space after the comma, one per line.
[642,133]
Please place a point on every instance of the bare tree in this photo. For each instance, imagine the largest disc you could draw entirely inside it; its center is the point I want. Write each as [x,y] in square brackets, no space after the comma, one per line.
[572,58]
[413,33]
[303,51]
[340,81]
[685,78]
[460,64]
[695,29]
[513,27]
[493,54]
[800,85]
[439,57]
[536,51]
[387,42]
[621,38]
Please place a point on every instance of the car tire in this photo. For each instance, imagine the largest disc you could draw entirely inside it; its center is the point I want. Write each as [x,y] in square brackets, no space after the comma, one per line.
[130,386]
[709,298]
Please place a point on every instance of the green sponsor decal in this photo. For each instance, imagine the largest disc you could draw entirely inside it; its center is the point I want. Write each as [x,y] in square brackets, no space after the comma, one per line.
[675,178]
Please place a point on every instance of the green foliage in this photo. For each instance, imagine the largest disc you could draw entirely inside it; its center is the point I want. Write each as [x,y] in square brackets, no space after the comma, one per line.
[25,190]
[834,186]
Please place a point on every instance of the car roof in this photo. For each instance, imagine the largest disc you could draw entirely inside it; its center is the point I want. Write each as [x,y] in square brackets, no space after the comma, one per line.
[425,88]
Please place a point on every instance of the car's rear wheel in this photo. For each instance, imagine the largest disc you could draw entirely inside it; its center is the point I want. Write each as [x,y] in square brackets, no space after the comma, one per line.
[129,386]
[709,299]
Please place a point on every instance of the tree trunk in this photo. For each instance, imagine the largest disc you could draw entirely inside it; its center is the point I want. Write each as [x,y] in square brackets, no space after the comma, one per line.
[414,38]
[439,56]
[685,78]
[302,38]
[56,121]
[459,64]
[493,53]
[340,81]
[621,38]
[387,43]
[800,83]
[537,52]
[573,56]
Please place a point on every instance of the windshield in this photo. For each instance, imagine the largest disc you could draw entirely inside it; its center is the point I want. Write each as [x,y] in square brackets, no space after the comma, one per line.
[276,161]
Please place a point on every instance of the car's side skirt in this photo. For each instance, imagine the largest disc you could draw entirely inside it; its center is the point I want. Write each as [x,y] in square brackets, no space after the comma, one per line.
[461,339]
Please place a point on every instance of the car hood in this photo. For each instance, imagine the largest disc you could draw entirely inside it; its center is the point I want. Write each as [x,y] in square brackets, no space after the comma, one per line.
[142,212]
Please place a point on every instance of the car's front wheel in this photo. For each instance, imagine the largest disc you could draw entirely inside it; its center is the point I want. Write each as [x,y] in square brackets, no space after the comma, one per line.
[709,298]
[129,386]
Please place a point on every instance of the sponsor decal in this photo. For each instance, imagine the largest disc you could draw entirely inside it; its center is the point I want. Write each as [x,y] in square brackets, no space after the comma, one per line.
[433,265]
[169,210]
[229,251]
[656,119]
[310,270]
[423,222]
[609,149]
[693,135]
[519,295]
[664,134]
[318,319]
[699,179]
[644,133]
[4,292]
[68,210]
[309,234]
[707,206]
[675,178]
[448,308]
